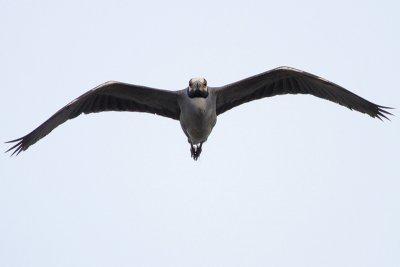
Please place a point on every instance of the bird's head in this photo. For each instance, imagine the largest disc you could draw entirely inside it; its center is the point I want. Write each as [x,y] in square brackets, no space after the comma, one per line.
[198,88]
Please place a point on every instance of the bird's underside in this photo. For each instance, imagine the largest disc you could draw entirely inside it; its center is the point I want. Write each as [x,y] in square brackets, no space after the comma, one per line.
[198,105]
[195,150]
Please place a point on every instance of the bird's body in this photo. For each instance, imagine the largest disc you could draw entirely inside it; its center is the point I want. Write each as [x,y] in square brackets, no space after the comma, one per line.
[198,117]
[198,105]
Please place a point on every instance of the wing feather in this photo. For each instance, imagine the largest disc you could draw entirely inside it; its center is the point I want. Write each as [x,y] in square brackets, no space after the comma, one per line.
[286,80]
[110,96]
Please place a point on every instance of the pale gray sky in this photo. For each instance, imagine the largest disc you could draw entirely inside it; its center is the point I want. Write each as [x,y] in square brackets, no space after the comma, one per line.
[285,181]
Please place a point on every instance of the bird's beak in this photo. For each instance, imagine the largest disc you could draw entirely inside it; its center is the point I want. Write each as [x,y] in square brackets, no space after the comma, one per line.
[196,86]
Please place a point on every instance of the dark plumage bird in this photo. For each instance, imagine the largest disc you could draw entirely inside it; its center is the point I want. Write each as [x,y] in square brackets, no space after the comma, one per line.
[198,105]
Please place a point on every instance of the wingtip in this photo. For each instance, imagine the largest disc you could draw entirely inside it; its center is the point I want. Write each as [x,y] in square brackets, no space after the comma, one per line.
[382,112]
[18,147]
[13,141]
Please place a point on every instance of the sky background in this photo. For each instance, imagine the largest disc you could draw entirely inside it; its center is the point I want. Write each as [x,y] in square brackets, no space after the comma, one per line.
[285,181]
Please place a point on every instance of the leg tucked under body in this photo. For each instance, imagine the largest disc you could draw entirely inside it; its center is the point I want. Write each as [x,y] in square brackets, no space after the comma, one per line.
[195,150]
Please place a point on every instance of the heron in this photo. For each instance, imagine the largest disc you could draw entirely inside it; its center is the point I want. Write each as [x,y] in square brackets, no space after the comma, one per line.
[198,105]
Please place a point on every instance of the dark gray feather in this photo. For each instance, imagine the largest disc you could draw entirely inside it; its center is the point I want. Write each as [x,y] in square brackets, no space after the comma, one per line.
[285,80]
[110,96]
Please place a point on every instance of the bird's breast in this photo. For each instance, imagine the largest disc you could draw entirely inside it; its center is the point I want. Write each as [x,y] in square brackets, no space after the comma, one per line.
[197,118]
[197,107]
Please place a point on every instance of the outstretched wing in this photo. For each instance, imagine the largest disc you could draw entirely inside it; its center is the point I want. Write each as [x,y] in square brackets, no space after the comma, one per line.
[286,80]
[110,96]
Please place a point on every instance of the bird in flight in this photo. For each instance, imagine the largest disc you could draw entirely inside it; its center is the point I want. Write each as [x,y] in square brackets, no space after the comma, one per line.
[198,105]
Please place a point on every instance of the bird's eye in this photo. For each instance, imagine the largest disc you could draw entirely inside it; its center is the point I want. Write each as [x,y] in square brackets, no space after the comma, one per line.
[190,83]
[205,82]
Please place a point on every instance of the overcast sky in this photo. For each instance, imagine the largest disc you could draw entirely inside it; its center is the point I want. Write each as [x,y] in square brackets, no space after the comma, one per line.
[284,181]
